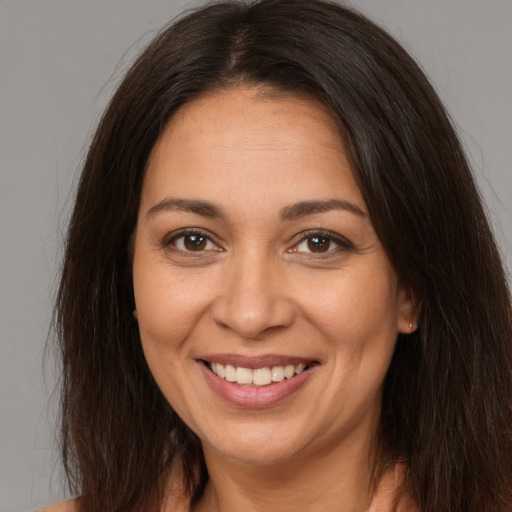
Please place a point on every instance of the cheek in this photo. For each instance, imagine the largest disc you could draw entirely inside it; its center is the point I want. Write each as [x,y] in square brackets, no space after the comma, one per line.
[168,310]
[358,306]
[168,305]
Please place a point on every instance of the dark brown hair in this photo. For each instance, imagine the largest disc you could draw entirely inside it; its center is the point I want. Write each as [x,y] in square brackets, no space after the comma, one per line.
[448,393]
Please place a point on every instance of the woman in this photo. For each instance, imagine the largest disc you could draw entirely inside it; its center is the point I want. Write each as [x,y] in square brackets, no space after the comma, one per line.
[280,289]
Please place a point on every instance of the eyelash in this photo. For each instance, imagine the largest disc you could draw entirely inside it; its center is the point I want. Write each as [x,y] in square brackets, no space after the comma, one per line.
[170,241]
[341,243]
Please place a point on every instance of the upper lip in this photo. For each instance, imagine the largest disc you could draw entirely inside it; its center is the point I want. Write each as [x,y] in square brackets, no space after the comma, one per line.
[253,362]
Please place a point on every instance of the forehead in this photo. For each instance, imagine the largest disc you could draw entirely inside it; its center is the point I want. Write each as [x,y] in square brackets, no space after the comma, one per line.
[243,140]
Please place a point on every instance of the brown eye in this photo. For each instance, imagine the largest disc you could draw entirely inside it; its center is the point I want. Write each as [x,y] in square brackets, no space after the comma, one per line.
[318,244]
[195,242]
[322,243]
[189,242]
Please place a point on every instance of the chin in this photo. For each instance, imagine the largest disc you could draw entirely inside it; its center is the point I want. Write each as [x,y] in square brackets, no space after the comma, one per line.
[255,447]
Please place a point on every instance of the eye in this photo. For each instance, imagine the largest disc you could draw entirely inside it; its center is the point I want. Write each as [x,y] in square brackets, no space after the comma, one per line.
[315,244]
[321,243]
[192,241]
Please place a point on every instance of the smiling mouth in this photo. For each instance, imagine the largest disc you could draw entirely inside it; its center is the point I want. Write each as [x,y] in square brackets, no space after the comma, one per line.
[259,376]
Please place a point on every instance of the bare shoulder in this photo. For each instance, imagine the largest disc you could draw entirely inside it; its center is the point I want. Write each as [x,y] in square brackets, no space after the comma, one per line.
[62,506]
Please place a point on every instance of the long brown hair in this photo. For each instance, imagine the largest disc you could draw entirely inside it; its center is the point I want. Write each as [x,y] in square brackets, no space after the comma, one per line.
[447,405]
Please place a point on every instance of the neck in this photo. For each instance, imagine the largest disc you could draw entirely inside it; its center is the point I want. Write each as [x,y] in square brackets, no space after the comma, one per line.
[334,479]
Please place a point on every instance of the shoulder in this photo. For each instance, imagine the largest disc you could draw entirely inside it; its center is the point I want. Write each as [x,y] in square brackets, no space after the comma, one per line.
[62,506]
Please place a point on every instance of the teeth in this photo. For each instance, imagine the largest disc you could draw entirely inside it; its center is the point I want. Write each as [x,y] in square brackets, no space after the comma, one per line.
[243,375]
[299,368]
[259,376]
[277,373]
[289,371]
[229,373]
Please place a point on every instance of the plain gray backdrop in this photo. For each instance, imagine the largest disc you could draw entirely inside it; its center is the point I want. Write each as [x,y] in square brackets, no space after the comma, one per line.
[59,62]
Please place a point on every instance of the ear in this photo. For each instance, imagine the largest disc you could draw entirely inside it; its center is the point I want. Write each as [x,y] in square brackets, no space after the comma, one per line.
[135,314]
[409,307]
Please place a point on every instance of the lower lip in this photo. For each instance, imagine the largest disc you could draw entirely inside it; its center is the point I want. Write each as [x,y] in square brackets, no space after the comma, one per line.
[255,397]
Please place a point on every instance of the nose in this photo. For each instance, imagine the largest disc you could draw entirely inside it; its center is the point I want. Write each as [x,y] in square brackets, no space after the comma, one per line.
[253,298]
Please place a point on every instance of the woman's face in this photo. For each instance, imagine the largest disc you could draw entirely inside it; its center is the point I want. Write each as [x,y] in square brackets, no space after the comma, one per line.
[255,256]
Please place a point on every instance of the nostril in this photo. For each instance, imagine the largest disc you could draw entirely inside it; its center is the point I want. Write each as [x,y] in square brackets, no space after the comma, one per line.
[252,315]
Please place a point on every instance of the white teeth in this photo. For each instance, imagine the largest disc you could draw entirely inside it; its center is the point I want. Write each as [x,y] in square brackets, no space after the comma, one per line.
[299,368]
[259,376]
[289,371]
[277,373]
[230,373]
[243,375]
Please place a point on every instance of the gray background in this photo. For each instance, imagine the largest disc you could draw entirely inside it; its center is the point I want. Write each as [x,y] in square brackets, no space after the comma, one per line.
[59,62]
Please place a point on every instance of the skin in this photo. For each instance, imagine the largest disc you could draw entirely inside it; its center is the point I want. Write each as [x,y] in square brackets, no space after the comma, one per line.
[256,288]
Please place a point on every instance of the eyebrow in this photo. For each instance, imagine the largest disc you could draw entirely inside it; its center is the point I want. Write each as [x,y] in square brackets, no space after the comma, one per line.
[288,213]
[305,208]
[198,206]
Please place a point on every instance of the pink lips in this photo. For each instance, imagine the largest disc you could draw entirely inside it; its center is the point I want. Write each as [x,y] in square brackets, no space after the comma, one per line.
[254,396]
[254,361]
